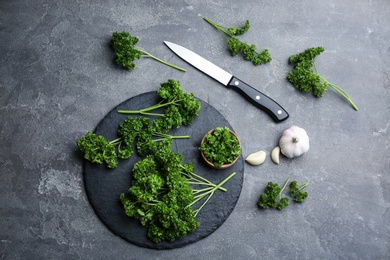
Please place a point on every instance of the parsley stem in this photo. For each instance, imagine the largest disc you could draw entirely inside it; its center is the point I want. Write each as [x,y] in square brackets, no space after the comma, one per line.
[163,136]
[140,113]
[201,190]
[210,186]
[303,186]
[220,28]
[200,196]
[146,54]
[200,181]
[340,91]
[145,111]
[204,203]
[336,88]
[207,181]
[225,180]
[116,141]
[210,192]
[284,186]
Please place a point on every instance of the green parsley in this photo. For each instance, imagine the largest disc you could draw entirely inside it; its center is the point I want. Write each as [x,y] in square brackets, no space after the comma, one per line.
[272,197]
[180,109]
[306,78]
[126,52]
[97,149]
[164,192]
[236,46]
[297,191]
[182,106]
[220,146]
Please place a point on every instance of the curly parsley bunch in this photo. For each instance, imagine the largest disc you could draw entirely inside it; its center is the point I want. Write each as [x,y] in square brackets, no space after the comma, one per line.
[272,196]
[180,109]
[164,192]
[126,52]
[306,78]
[220,146]
[237,46]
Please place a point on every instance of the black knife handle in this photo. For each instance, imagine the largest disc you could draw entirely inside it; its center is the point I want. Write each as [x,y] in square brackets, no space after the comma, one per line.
[258,99]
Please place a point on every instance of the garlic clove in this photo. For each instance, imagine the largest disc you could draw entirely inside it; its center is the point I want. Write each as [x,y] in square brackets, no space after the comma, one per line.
[275,154]
[256,158]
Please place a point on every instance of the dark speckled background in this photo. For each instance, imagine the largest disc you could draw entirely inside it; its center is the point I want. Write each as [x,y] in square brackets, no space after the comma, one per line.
[58,80]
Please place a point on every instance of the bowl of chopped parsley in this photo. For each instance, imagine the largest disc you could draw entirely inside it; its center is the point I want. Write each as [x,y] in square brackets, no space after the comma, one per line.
[220,148]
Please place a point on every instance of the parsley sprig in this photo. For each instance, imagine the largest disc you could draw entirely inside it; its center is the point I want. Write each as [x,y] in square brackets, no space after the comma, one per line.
[306,78]
[272,197]
[297,191]
[126,52]
[237,46]
[165,194]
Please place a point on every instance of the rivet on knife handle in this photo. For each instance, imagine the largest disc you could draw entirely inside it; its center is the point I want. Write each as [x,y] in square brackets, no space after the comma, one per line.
[259,99]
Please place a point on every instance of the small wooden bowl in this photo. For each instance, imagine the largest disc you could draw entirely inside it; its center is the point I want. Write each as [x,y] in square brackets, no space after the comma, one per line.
[223,166]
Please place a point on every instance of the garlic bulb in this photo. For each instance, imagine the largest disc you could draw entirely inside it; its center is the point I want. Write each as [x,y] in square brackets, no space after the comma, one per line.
[294,142]
[256,158]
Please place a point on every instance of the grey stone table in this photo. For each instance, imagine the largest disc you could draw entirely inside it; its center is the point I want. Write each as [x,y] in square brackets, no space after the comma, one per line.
[58,80]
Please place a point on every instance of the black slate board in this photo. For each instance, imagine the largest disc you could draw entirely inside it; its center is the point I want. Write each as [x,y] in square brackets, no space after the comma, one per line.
[103,185]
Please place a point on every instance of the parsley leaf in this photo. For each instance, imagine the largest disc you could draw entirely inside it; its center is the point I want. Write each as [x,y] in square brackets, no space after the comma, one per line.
[237,46]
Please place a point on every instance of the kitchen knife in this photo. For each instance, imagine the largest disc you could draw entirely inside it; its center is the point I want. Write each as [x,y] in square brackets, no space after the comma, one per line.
[257,98]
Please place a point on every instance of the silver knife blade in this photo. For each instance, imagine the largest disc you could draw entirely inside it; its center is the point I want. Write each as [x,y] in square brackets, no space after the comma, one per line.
[257,98]
[201,63]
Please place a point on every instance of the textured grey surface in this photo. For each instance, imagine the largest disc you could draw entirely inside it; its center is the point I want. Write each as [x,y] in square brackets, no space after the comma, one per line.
[58,81]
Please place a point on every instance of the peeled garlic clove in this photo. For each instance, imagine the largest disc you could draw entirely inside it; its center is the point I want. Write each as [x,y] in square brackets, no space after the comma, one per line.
[256,158]
[275,154]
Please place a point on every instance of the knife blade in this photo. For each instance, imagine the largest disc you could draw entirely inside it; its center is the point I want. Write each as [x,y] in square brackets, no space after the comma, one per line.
[257,98]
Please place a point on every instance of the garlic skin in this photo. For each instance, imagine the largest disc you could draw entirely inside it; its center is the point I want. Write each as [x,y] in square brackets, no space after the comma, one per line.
[294,142]
[275,154]
[256,158]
